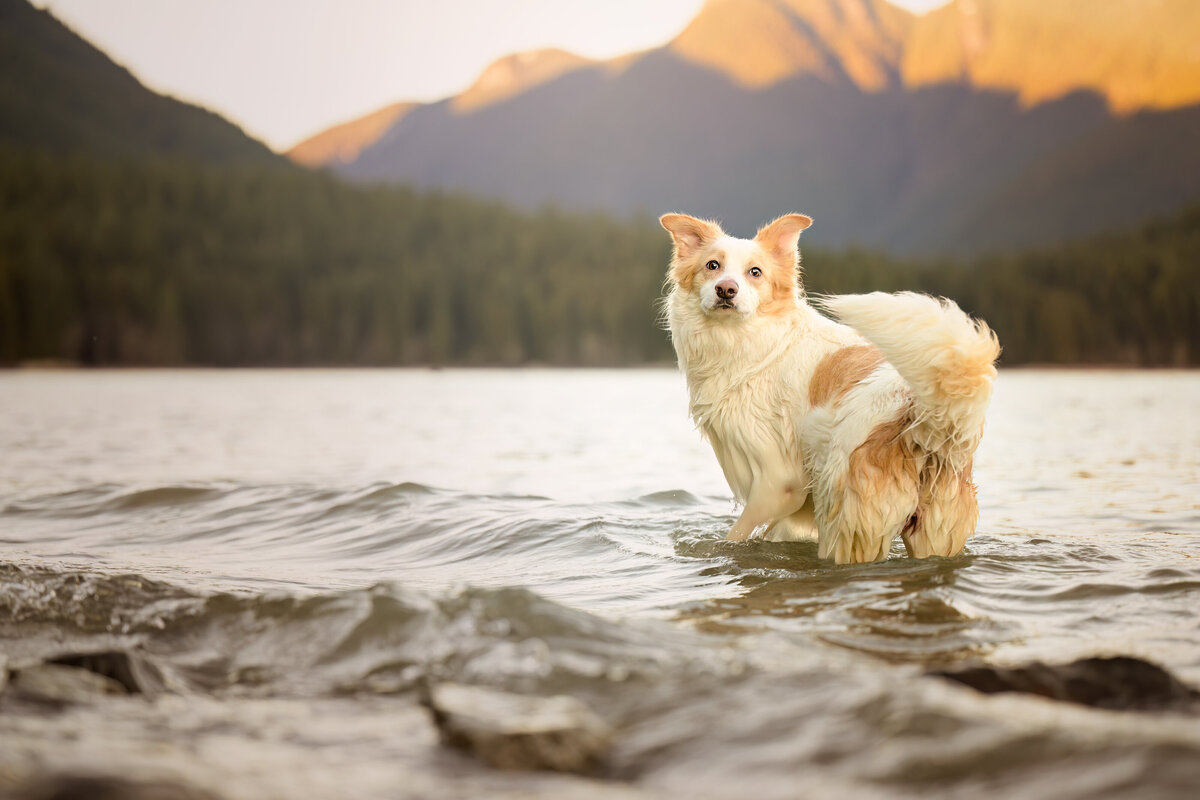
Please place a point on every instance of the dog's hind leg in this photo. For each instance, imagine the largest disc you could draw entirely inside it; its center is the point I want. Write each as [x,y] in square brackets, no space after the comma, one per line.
[864,501]
[945,517]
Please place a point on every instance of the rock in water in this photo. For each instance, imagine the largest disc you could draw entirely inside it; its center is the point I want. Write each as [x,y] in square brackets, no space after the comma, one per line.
[59,684]
[95,787]
[84,677]
[1118,683]
[519,732]
[134,672]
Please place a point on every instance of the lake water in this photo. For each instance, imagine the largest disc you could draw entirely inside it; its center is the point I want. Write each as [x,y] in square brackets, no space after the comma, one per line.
[297,551]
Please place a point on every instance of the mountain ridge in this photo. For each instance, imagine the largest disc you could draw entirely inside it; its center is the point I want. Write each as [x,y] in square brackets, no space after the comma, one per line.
[1138,54]
[343,142]
[758,43]
[828,107]
[953,40]
[60,93]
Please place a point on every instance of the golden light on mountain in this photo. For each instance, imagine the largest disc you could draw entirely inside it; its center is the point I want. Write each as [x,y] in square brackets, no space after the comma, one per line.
[761,42]
[514,74]
[1136,53]
[913,134]
[342,143]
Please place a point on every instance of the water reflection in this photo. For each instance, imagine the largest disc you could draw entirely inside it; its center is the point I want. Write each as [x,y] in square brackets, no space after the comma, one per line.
[899,610]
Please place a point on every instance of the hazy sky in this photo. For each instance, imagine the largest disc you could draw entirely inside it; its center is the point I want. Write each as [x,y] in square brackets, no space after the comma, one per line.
[285,69]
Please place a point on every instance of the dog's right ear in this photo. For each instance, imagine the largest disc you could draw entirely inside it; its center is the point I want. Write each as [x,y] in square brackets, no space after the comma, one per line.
[689,233]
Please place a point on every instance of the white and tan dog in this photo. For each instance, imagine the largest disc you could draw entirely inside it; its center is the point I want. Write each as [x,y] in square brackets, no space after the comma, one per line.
[852,433]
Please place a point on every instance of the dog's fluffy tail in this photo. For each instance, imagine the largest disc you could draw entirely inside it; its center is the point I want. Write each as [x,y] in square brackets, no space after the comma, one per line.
[947,358]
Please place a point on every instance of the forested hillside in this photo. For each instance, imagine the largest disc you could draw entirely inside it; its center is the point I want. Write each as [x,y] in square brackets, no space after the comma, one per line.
[59,93]
[166,263]
[173,263]
[1127,298]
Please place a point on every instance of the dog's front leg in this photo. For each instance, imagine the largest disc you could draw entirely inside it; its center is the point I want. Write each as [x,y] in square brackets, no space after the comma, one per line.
[747,523]
[764,509]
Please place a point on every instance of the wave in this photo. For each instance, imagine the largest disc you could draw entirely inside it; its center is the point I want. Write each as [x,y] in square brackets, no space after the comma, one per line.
[694,714]
[594,554]
[660,555]
[383,638]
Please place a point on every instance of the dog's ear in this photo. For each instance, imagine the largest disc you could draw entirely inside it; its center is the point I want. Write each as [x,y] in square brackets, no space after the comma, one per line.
[689,233]
[781,236]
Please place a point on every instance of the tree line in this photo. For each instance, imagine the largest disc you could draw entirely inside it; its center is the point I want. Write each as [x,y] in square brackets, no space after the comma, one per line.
[166,262]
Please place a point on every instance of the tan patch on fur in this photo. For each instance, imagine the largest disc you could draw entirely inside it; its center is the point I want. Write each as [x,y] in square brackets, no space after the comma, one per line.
[781,264]
[682,273]
[884,465]
[782,277]
[690,236]
[886,455]
[840,371]
[685,272]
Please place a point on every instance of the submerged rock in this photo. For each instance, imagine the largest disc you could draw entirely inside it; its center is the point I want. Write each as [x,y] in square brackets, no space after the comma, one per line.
[89,787]
[132,671]
[519,732]
[1117,683]
[60,684]
[83,677]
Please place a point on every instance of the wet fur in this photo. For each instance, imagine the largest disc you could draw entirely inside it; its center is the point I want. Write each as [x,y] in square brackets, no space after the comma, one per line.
[852,432]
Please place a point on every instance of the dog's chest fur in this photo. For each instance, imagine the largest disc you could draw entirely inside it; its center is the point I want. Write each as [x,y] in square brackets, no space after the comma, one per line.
[742,396]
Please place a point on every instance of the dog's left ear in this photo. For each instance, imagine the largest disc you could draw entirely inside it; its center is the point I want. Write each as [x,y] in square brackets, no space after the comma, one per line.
[781,236]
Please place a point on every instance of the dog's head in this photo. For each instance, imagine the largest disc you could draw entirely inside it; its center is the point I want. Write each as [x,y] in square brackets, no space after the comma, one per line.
[733,277]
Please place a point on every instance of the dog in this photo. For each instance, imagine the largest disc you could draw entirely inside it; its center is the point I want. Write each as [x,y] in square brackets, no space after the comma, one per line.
[851,431]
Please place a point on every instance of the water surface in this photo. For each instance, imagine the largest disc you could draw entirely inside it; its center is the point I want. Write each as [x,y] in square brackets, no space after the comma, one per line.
[298,550]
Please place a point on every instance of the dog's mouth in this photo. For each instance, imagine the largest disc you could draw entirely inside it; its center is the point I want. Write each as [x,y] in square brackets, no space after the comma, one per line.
[724,304]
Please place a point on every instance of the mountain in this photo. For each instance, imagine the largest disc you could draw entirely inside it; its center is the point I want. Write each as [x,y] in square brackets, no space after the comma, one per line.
[503,78]
[985,124]
[1137,54]
[509,76]
[60,94]
[758,43]
[341,144]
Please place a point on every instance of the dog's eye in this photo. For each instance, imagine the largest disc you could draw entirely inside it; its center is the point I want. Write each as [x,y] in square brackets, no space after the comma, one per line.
[755,272]
[712,265]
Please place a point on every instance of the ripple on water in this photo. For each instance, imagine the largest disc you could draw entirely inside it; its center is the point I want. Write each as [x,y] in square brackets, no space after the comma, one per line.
[540,555]
[660,554]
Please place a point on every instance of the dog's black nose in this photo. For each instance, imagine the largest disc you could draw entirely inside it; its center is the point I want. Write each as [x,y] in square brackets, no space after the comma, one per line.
[726,289]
